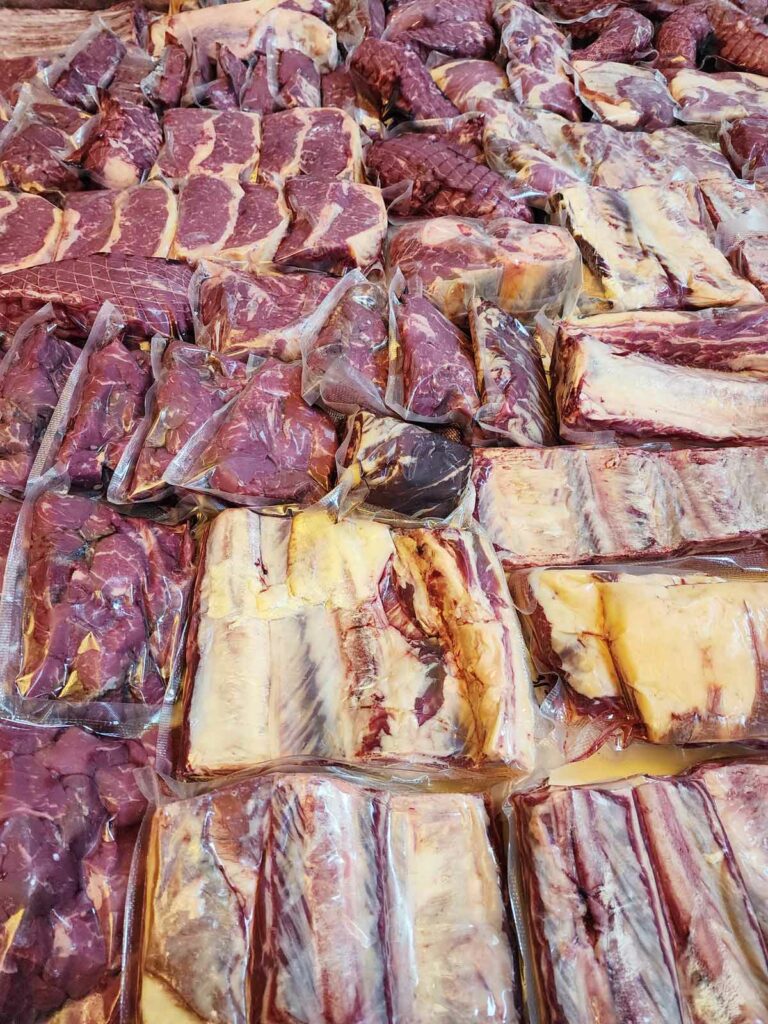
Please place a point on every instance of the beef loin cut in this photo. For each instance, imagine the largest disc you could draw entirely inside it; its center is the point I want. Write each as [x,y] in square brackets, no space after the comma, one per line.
[137,221]
[91,67]
[323,143]
[29,231]
[125,145]
[394,77]
[196,141]
[458,28]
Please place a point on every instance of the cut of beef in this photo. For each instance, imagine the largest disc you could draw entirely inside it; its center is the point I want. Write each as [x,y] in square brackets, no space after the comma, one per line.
[9,513]
[749,258]
[737,210]
[267,447]
[29,231]
[164,85]
[89,68]
[137,221]
[224,144]
[623,36]
[48,33]
[679,38]
[150,295]
[340,91]
[125,145]
[318,143]
[405,646]
[105,603]
[469,84]
[40,144]
[745,143]
[562,506]
[14,71]
[221,219]
[716,97]
[298,80]
[458,28]
[257,94]
[34,373]
[131,72]
[69,818]
[629,98]
[394,77]
[354,20]
[336,225]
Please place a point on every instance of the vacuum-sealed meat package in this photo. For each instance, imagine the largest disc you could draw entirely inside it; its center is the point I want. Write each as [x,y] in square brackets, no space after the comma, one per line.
[308,897]
[197,141]
[405,648]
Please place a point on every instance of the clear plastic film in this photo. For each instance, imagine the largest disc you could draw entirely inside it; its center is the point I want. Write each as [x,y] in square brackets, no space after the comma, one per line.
[745,143]
[711,98]
[87,66]
[198,141]
[627,97]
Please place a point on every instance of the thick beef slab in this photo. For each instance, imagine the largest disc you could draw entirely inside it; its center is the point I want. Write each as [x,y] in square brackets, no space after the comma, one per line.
[198,141]
[29,231]
[322,143]
[308,898]
[137,221]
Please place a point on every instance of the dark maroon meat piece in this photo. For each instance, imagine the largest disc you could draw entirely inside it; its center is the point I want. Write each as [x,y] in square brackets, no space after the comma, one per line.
[458,28]
[317,143]
[448,178]
[38,157]
[29,230]
[90,69]
[165,84]
[222,143]
[29,392]
[298,80]
[70,808]
[624,36]
[397,80]
[741,39]
[745,143]
[270,446]
[150,294]
[110,407]
[9,513]
[354,20]
[14,71]
[339,90]
[256,96]
[679,38]
[131,72]
[105,602]
[435,360]
[125,144]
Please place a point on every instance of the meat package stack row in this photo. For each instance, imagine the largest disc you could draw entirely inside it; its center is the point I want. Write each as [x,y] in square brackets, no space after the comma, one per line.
[383,426]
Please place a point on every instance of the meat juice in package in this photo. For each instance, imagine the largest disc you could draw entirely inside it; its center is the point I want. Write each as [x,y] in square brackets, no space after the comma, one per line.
[352,641]
[315,897]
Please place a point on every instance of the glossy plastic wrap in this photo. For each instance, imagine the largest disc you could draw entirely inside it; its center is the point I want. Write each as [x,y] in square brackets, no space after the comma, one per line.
[197,141]
[323,897]
[629,98]
[404,648]
[88,65]
[714,98]
[69,817]
[29,231]
[745,143]
[190,385]
[9,513]
[93,611]
[565,506]
[266,447]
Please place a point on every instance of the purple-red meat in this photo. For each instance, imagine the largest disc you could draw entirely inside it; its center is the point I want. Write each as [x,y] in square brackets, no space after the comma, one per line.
[9,513]
[458,28]
[105,602]
[745,143]
[624,36]
[316,143]
[396,79]
[126,86]
[29,392]
[90,69]
[741,39]
[257,96]
[151,295]
[447,177]
[110,407]
[37,158]
[679,38]
[124,146]
[14,71]
[165,84]
[298,80]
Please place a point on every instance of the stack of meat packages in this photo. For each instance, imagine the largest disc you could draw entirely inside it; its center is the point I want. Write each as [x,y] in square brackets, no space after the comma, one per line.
[383,425]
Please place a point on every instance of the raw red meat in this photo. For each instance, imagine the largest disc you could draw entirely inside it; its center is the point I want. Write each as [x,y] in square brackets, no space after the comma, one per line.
[257,94]
[224,144]
[125,145]
[716,97]
[9,513]
[267,447]
[395,78]
[742,40]
[40,143]
[104,604]
[131,72]
[749,258]
[69,817]
[469,84]
[336,225]
[339,90]
[165,84]
[29,231]
[34,373]
[354,20]
[318,143]
[151,295]
[458,28]
[624,36]
[629,98]
[48,32]
[89,68]
[14,71]
[679,38]
[745,143]
[298,80]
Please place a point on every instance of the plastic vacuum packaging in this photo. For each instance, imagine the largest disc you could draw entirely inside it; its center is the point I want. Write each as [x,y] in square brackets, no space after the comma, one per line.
[69,816]
[93,611]
[568,505]
[351,641]
[655,886]
[617,638]
[265,447]
[190,385]
[99,409]
[322,897]
[9,513]
[33,374]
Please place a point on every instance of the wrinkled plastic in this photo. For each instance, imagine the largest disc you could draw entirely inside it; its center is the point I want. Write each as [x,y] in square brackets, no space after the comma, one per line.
[717,97]
[9,513]
[69,818]
[469,84]
[456,29]
[88,65]
[629,98]
[395,79]
[124,144]
[745,143]
[190,385]
[196,141]
[265,447]
[360,892]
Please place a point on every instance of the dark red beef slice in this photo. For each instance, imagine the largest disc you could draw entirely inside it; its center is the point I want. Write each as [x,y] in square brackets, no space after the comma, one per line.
[204,211]
[9,513]
[234,141]
[143,220]
[258,215]
[28,226]
[298,80]
[88,222]
[165,84]
[256,96]
[396,79]
[315,143]
[125,145]
[92,68]
[35,159]
[14,71]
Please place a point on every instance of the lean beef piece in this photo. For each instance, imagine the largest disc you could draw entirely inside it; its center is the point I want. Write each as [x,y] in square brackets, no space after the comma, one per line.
[9,513]
[340,91]
[137,221]
[221,219]
[150,295]
[39,146]
[272,859]
[403,468]
[722,96]
[298,80]
[458,28]
[131,72]
[353,20]
[34,372]
[29,231]
[394,77]
[89,68]
[626,97]
[745,143]
[537,56]
[318,143]
[191,384]
[336,226]
[469,84]
[164,85]
[679,38]
[741,40]
[14,71]
[69,818]
[125,145]
[224,144]
[264,314]
[562,506]
[515,404]
[106,409]
[104,605]
[422,660]
[522,267]
[624,35]
[346,363]
[447,177]
[432,378]
[750,259]
[266,448]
